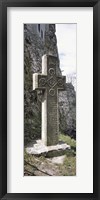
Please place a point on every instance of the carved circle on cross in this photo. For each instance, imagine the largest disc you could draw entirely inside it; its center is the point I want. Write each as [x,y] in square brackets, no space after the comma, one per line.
[42,81]
[60,82]
[52,92]
[51,71]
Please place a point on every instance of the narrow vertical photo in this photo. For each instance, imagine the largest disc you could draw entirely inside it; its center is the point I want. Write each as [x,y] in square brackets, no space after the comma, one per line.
[50,78]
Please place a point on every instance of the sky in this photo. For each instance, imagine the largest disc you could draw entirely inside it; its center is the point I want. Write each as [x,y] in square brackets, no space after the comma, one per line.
[66,42]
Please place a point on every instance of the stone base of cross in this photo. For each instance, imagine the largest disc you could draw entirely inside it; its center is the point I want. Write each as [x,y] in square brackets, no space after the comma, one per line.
[50,83]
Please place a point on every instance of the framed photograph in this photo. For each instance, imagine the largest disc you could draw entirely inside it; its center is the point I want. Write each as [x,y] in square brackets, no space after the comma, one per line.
[49,99]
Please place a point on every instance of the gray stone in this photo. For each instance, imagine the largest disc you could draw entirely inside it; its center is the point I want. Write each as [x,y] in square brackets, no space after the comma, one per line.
[67,111]
[50,83]
[58,159]
[40,149]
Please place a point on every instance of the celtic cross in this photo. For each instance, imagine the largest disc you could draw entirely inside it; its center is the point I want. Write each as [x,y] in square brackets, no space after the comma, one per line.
[50,83]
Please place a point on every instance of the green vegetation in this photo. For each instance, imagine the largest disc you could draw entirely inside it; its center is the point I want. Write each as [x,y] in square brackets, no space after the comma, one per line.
[67,139]
[69,166]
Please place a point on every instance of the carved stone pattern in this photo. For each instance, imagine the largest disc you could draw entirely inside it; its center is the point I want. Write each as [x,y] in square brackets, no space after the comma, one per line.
[51,71]
[52,82]
[42,81]
[60,82]
[52,92]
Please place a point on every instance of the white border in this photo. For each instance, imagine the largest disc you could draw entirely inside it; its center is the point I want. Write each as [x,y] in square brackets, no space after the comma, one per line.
[83,182]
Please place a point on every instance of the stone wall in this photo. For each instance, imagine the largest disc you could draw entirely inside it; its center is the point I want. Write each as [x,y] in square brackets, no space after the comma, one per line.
[34,49]
[67,111]
[32,64]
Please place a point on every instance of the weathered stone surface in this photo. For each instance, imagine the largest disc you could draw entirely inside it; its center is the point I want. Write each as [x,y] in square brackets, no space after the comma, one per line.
[44,167]
[39,149]
[58,159]
[67,110]
[51,84]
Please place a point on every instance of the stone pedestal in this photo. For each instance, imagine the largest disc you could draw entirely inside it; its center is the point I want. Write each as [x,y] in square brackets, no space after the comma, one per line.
[39,149]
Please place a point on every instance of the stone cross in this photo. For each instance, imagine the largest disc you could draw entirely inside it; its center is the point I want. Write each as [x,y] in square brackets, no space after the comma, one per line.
[50,83]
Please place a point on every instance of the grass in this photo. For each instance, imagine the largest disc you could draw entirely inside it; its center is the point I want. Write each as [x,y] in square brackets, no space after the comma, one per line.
[69,166]
[67,139]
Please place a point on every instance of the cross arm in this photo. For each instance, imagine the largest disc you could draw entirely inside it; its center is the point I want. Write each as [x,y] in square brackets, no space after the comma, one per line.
[39,81]
[61,82]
